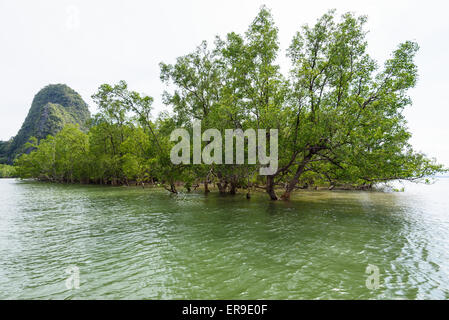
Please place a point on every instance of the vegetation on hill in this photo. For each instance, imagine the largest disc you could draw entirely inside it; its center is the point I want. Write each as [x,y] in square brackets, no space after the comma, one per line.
[52,108]
[339,116]
[4,150]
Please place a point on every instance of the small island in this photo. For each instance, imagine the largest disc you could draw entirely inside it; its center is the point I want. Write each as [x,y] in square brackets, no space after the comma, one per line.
[339,117]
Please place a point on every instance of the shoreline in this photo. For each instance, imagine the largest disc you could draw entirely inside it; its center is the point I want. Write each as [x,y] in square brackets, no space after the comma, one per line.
[213,189]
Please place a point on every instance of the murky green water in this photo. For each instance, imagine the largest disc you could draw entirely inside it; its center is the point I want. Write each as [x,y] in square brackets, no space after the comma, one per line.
[134,243]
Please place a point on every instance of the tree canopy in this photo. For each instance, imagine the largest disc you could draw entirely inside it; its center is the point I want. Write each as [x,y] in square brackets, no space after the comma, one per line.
[338,112]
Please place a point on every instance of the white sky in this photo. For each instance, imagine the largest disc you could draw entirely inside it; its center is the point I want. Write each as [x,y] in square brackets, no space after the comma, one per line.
[86,43]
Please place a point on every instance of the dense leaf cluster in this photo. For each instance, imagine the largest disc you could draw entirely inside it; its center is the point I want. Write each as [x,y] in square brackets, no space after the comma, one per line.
[338,113]
[7,171]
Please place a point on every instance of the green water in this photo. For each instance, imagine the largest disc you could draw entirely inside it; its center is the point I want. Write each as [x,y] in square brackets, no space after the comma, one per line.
[147,244]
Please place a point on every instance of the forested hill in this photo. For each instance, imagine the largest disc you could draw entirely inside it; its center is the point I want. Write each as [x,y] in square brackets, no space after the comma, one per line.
[52,108]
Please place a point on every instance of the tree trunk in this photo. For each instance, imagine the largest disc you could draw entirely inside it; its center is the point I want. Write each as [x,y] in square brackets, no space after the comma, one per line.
[206,187]
[233,189]
[222,187]
[270,188]
[294,181]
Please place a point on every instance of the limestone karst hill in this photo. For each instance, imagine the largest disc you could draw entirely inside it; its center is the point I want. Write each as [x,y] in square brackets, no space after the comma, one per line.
[52,108]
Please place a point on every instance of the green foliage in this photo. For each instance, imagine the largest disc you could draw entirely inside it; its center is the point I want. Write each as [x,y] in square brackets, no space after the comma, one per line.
[7,171]
[338,113]
[116,150]
[61,158]
[4,149]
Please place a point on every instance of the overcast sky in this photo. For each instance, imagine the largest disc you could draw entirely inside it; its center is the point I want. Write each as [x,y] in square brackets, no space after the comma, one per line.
[86,43]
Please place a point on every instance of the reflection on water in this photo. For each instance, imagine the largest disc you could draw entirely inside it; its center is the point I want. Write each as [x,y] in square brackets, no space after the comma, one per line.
[146,244]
